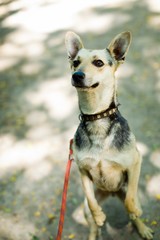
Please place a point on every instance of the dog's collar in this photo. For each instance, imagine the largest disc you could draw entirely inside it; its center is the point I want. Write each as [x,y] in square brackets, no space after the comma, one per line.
[106,113]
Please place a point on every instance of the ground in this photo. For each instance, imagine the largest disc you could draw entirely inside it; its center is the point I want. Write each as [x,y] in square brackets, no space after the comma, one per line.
[39,112]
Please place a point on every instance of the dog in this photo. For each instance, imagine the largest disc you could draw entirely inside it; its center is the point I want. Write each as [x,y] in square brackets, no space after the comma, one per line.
[104,146]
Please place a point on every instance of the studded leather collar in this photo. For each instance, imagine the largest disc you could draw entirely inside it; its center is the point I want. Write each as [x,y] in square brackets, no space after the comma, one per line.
[92,117]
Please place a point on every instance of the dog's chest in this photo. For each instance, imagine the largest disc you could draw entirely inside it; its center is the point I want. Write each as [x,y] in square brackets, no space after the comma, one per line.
[102,140]
[89,144]
[108,176]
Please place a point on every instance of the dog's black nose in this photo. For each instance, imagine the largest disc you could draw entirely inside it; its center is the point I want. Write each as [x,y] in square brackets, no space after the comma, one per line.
[78,79]
[78,76]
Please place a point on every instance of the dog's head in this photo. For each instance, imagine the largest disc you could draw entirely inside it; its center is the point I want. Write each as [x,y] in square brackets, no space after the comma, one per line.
[92,68]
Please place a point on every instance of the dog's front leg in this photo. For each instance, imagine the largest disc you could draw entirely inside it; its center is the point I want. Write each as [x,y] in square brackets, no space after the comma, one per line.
[95,209]
[131,200]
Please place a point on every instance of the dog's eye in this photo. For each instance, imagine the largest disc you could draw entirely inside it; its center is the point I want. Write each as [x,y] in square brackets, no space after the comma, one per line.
[98,63]
[76,63]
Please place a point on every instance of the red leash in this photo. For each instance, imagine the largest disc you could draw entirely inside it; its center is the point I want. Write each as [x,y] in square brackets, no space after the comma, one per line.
[64,195]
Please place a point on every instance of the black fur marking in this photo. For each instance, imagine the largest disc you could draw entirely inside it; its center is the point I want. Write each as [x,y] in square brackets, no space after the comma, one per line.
[110,63]
[119,127]
[108,51]
[81,137]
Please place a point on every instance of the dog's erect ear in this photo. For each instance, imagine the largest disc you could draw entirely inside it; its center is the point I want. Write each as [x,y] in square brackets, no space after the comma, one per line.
[73,44]
[120,45]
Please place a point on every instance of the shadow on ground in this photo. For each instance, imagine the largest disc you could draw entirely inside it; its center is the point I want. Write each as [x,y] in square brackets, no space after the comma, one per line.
[39,115]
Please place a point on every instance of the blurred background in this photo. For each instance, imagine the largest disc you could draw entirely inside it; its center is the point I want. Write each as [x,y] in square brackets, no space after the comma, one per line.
[39,111]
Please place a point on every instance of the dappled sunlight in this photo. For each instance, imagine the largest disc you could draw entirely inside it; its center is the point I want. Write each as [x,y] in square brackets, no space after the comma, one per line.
[32,67]
[7,63]
[78,215]
[21,154]
[39,18]
[153,183]
[153,5]
[15,228]
[55,96]
[94,23]
[100,24]
[10,54]
[153,186]
[157,87]
[155,158]
[125,71]
[143,149]
[43,169]
[154,22]
[24,38]
[40,150]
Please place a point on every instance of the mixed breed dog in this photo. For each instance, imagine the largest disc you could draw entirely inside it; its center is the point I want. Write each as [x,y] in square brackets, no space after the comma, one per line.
[104,147]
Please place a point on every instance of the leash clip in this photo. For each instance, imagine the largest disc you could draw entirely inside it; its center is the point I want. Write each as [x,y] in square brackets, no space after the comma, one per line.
[71,150]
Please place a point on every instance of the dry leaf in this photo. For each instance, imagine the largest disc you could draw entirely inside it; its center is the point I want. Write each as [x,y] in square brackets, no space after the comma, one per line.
[71,236]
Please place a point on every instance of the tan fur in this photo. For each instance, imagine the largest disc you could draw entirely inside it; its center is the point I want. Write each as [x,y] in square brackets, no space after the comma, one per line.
[104,167]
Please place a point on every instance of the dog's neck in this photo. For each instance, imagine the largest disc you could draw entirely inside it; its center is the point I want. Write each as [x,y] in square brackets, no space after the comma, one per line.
[96,100]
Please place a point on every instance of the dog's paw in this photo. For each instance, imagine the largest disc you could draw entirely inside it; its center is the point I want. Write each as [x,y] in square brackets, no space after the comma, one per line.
[133,210]
[99,217]
[134,213]
[146,232]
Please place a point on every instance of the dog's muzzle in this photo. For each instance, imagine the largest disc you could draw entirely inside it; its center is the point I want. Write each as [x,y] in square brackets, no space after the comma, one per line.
[78,80]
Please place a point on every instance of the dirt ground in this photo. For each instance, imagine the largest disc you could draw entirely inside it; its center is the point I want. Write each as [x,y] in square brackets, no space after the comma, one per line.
[39,112]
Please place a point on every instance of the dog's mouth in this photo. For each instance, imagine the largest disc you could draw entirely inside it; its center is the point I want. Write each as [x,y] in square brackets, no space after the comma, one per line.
[95,85]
